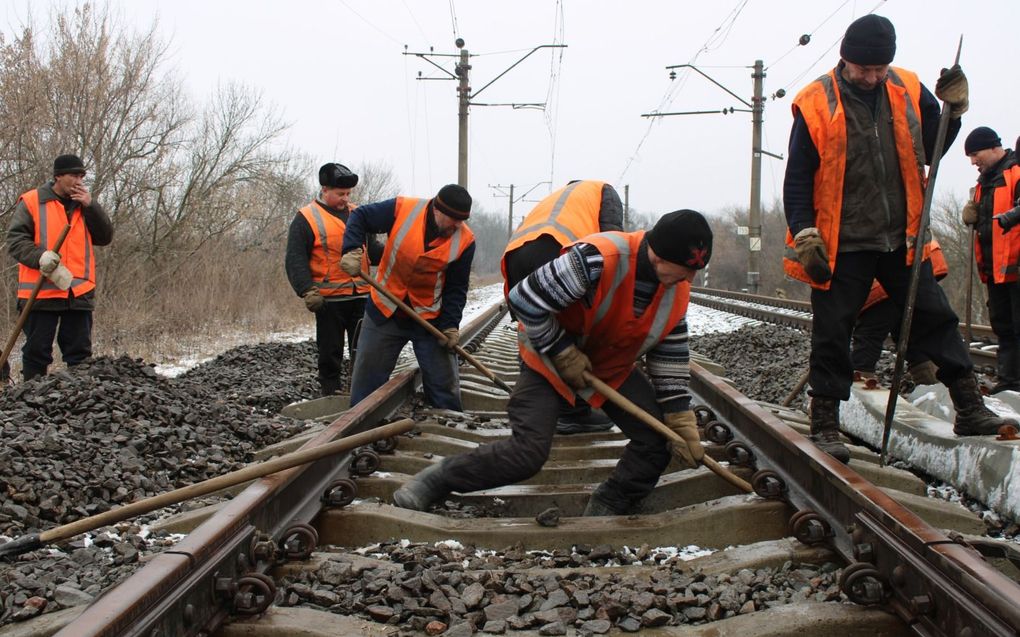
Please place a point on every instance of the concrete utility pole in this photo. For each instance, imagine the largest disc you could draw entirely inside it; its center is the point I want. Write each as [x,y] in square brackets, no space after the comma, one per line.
[510,216]
[757,109]
[461,73]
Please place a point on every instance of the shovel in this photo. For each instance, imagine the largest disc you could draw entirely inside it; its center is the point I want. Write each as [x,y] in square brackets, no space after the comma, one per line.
[625,404]
[302,456]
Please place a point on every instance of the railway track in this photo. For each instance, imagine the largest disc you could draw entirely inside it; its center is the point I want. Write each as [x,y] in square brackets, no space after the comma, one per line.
[318,550]
[797,314]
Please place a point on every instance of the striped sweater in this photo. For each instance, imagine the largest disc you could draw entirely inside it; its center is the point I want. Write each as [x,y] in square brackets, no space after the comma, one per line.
[573,277]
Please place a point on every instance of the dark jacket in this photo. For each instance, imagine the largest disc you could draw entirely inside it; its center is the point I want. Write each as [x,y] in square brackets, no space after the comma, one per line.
[990,180]
[21,244]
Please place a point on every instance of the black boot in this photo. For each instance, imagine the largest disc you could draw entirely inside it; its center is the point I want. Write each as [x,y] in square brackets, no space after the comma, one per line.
[972,417]
[825,427]
[583,421]
[421,491]
[1007,364]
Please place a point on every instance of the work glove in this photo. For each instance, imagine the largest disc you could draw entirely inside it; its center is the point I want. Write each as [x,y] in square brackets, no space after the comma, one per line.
[48,262]
[571,364]
[313,300]
[452,335]
[924,373]
[61,277]
[969,214]
[685,423]
[952,88]
[811,254]
[351,261]
[1007,220]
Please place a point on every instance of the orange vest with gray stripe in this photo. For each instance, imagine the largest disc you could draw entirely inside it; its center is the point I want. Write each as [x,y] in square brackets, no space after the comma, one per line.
[410,272]
[324,264]
[76,253]
[607,331]
[822,108]
[566,215]
[1005,245]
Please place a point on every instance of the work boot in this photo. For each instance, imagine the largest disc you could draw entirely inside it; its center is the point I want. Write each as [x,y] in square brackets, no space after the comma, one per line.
[592,420]
[972,417]
[1007,369]
[923,373]
[598,503]
[421,491]
[824,413]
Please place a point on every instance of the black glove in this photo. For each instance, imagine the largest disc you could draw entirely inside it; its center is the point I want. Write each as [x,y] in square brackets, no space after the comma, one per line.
[1007,220]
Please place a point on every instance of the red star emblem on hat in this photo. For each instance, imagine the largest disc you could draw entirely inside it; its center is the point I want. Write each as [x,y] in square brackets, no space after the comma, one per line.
[698,256]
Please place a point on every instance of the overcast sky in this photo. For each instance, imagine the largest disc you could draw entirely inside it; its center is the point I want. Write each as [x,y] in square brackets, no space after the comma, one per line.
[336,69]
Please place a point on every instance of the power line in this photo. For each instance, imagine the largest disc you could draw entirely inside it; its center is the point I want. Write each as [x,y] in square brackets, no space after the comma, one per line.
[453,18]
[415,20]
[553,92]
[801,41]
[368,22]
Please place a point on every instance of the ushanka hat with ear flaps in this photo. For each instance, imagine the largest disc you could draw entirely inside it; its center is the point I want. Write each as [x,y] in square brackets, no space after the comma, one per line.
[335,175]
[453,201]
[869,41]
[682,237]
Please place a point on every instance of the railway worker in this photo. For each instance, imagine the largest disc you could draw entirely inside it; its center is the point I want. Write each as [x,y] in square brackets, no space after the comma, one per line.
[313,269]
[64,305]
[580,208]
[427,264]
[853,195]
[607,300]
[880,317]
[993,214]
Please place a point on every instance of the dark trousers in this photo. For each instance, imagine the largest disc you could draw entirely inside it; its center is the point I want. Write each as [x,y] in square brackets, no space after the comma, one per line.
[381,344]
[519,264]
[873,326]
[532,411]
[332,322]
[73,330]
[935,328]
[1004,316]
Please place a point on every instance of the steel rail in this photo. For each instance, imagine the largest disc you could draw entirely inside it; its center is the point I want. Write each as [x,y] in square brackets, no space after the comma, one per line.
[219,568]
[935,585]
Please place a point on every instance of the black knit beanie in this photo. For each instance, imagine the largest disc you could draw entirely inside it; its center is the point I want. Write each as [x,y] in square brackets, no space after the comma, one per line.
[869,40]
[335,175]
[65,164]
[981,138]
[682,237]
[453,201]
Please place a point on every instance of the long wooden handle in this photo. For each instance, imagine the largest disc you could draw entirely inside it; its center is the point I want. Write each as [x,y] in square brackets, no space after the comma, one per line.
[302,456]
[627,405]
[434,330]
[31,300]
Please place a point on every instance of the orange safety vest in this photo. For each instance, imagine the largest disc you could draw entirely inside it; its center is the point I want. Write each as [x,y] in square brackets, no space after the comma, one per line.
[75,254]
[566,215]
[822,108]
[607,330]
[1005,245]
[409,271]
[939,268]
[327,276]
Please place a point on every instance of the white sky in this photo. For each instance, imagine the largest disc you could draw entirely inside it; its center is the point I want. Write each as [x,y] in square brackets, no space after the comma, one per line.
[336,70]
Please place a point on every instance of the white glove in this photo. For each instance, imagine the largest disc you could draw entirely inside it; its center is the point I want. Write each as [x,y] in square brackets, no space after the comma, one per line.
[48,262]
[61,277]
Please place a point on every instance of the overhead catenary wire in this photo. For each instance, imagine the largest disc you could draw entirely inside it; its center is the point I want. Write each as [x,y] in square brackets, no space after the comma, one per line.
[453,19]
[553,92]
[369,22]
[809,33]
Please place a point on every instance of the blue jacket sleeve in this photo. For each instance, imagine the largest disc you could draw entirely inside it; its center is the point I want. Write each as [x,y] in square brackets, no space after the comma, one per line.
[455,289]
[799,183]
[373,218]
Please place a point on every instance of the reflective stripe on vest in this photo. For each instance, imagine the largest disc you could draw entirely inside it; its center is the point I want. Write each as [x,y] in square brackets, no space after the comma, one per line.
[75,254]
[820,105]
[566,215]
[324,262]
[1005,245]
[410,272]
[608,332]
